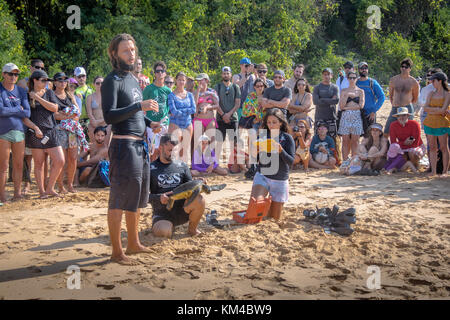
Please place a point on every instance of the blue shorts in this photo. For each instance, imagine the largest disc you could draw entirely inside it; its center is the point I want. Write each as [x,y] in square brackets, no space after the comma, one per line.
[278,189]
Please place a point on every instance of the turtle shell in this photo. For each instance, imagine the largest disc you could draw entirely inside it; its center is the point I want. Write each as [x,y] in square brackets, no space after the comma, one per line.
[188,186]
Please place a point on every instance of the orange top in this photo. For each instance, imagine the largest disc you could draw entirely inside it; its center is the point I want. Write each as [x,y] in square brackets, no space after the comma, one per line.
[436,121]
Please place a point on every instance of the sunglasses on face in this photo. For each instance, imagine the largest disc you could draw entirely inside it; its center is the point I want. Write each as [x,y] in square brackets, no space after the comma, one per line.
[301,84]
[12,74]
[99,83]
[39,67]
[44,80]
[81,76]
[262,71]
[62,80]
[301,127]
[351,78]
[405,67]
[169,82]
[260,86]
[247,65]
[278,77]
[160,71]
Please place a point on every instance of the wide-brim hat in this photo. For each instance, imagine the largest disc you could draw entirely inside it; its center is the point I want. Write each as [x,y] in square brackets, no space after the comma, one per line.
[402,111]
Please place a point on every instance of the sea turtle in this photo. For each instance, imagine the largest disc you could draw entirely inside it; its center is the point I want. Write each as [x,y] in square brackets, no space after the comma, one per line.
[190,190]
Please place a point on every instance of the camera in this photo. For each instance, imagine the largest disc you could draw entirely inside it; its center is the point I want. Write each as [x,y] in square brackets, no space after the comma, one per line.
[296,129]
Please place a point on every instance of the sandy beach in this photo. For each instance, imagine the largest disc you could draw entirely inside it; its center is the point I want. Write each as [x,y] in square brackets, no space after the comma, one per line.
[403,224]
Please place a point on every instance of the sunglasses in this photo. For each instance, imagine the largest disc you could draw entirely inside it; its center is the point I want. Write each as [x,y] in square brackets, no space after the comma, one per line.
[44,80]
[62,80]
[405,67]
[39,67]
[301,84]
[160,71]
[81,76]
[278,77]
[261,86]
[12,74]
[247,65]
[99,83]
[364,68]
[227,90]
[262,71]
[301,127]
[351,78]
[169,82]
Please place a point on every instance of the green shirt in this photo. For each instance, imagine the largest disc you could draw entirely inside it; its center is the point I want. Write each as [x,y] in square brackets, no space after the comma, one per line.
[227,97]
[84,91]
[160,95]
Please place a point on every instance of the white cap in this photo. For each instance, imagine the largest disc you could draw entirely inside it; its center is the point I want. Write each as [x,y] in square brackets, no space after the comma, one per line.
[79,71]
[9,67]
[204,138]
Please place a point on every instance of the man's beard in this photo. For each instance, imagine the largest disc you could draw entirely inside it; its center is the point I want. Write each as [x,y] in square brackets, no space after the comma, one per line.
[362,74]
[123,66]
[226,79]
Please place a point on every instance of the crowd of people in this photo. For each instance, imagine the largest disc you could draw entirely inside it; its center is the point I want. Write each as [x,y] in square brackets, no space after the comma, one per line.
[177,126]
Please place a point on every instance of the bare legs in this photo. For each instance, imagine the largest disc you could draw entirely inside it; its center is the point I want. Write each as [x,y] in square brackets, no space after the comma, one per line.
[443,144]
[276,208]
[70,156]
[18,150]
[57,156]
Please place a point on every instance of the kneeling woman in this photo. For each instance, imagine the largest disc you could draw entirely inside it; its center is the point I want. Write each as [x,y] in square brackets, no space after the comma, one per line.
[273,170]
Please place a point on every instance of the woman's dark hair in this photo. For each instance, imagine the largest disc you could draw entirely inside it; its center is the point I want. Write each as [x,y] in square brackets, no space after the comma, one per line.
[259,80]
[180,74]
[307,88]
[370,139]
[114,45]
[280,116]
[351,72]
[407,61]
[97,77]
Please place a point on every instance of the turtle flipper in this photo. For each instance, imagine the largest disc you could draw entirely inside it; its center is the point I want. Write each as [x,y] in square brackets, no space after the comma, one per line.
[169,205]
[217,187]
[191,199]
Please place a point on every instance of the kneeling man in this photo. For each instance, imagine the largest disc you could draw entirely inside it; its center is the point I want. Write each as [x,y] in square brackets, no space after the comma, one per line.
[166,175]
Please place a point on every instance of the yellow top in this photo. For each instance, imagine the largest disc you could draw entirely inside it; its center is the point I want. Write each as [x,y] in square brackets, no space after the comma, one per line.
[436,121]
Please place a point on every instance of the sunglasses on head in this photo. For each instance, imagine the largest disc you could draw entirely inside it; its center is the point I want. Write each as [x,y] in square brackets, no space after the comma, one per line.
[262,71]
[12,74]
[160,71]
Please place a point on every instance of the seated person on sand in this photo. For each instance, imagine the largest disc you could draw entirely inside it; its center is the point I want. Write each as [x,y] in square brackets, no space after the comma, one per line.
[204,160]
[302,137]
[397,160]
[166,175]
[98,150]
[238,164]
[372,150]
[321,149]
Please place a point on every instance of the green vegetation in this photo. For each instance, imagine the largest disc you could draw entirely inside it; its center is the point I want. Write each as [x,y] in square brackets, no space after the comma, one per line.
[204,35]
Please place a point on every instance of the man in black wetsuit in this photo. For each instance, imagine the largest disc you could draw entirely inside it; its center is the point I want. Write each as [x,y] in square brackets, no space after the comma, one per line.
[128,152]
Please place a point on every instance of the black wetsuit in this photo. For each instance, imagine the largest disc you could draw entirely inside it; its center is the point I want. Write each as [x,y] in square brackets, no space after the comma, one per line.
[129,159]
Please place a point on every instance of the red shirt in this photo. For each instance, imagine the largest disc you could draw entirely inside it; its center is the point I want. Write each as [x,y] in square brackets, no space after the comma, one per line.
[399,134]
[143,81]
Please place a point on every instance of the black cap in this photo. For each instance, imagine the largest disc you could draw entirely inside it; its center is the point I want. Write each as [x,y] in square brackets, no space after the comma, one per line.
[349,64]
[60,75]
[439,75]
[321,124]
[38,74]
[327,70]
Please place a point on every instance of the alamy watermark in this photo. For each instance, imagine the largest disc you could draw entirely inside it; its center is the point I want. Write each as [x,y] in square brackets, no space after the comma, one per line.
[374,280]
[374,21]
[74,281]
[74,20]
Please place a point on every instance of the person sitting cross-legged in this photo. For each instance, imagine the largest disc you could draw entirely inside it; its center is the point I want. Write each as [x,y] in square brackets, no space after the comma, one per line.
[321,149]
[166,175]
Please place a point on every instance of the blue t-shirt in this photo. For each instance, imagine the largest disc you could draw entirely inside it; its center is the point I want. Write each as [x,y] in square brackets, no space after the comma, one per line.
[316,142]
[181,109]
[14,107]
[369,99]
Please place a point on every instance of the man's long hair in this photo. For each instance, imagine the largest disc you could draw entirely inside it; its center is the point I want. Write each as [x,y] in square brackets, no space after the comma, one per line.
[114,45]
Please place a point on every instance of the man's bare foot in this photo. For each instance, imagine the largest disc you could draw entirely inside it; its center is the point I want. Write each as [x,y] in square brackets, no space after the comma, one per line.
[194,232]
[62,190]
[53,194]
[124,260]
[71,189]
[26,189]
[137,250]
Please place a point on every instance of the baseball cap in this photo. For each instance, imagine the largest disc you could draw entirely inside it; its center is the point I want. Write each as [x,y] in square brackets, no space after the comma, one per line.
[60,75]
[439,75]
[327,70]
[204,137]
[39,74]
[79,71]
[202,76]
[321,124]
[226,69]
[280,72]
[245,61]
[9,67]
[361,64]
[348,64]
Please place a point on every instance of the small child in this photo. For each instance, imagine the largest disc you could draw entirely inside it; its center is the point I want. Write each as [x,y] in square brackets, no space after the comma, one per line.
[396,160]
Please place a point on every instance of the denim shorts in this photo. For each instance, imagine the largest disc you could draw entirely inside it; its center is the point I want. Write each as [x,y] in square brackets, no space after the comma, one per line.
[278,189]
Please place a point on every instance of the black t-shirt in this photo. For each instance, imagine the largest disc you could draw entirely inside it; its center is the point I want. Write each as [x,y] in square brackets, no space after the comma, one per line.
[275,94]
[121,97]
[43,118]
[63,103]
[276,166]
[165,178]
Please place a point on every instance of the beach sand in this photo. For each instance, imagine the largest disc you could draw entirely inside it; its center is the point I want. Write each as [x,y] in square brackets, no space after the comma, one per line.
[403,224]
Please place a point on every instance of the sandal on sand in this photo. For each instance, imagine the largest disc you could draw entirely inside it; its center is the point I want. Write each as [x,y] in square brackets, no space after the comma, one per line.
[211,219]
